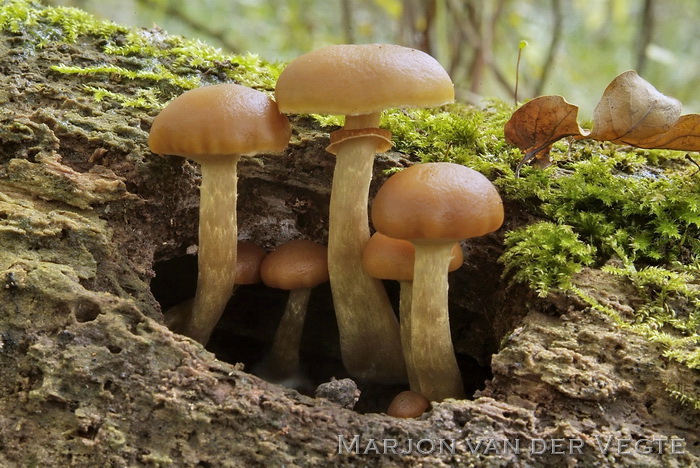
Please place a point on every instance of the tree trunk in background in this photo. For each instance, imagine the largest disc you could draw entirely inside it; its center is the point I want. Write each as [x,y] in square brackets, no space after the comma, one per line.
[557,25]
[645,35]
[346,8]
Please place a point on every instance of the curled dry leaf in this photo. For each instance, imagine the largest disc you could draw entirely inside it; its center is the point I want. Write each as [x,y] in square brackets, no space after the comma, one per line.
[631,111]
[538,124]
[684,135]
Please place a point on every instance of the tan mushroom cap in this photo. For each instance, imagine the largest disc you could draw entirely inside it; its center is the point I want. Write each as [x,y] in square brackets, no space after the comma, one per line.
[437,201]
[408,404]
[298,264]
[393,259]
[220,119]
[248,261]
[362,79]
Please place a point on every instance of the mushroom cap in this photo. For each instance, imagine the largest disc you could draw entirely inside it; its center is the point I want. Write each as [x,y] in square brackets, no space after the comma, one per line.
[219,120]
[248,260]
[408,404]
[437,201]
[393,259]
[362,79]
[297,264]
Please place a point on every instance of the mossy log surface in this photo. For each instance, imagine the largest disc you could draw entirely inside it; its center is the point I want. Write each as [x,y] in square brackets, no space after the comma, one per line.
[90,376]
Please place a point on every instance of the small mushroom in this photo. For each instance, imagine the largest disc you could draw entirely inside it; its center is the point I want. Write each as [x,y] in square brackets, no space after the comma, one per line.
[214,126]
[297,266]
[359,82]
[393,259]
[249,260]
[434,205]
[408,404]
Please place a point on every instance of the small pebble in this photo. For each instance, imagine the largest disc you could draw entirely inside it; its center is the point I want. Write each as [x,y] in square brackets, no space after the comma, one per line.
[343,392]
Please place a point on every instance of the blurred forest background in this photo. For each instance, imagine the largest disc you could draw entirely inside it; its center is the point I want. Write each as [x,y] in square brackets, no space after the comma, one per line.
[574,47]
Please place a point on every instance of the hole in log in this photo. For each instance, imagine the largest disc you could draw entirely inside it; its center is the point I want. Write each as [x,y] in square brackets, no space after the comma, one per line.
[86,311]
[244,333]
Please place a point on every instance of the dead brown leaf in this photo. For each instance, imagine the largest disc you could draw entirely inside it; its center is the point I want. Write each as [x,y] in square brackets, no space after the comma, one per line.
[683,136]
[631,110]
[539,123]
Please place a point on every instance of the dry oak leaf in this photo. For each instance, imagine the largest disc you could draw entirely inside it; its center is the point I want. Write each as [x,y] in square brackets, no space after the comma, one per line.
[539,123]
[631,111]
[684,135]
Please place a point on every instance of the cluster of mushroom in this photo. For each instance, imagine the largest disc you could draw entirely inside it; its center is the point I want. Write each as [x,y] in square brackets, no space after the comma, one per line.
[214,125]
[434,205]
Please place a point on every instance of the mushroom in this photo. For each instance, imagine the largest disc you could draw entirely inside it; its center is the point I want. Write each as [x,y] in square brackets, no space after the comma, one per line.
[434,205]
[213,126]
[393,259]
[249,258]
[407,404]
[359,81]
[297,266]
[248,263]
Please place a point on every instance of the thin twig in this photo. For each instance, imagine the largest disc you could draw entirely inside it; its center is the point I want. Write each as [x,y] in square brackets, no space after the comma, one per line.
[687,156]
[521,46]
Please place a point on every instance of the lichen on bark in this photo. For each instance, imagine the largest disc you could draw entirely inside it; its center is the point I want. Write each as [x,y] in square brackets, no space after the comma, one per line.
[90,376]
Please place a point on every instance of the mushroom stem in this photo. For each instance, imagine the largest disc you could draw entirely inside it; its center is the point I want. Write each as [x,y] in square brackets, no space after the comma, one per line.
[429,339]
[369,332]
[283,360]
[405,301]
[353,122]
[217,246]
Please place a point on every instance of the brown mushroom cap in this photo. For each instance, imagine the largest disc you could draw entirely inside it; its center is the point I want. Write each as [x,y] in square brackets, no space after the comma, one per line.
[297,264]
[220,119]
[408,404]
[437,201]
[393,259]
[248,261]
[362,79]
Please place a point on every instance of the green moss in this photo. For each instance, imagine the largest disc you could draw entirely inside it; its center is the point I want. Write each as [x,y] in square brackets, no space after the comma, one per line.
[642,207]
[456,133]
[144,99]
[684,397]
[158,74]
[545,255]
[163,65]
[639,207]
[645,214]
[49,24]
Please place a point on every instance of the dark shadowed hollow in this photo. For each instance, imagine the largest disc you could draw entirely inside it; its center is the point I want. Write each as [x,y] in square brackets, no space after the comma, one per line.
[244,333]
